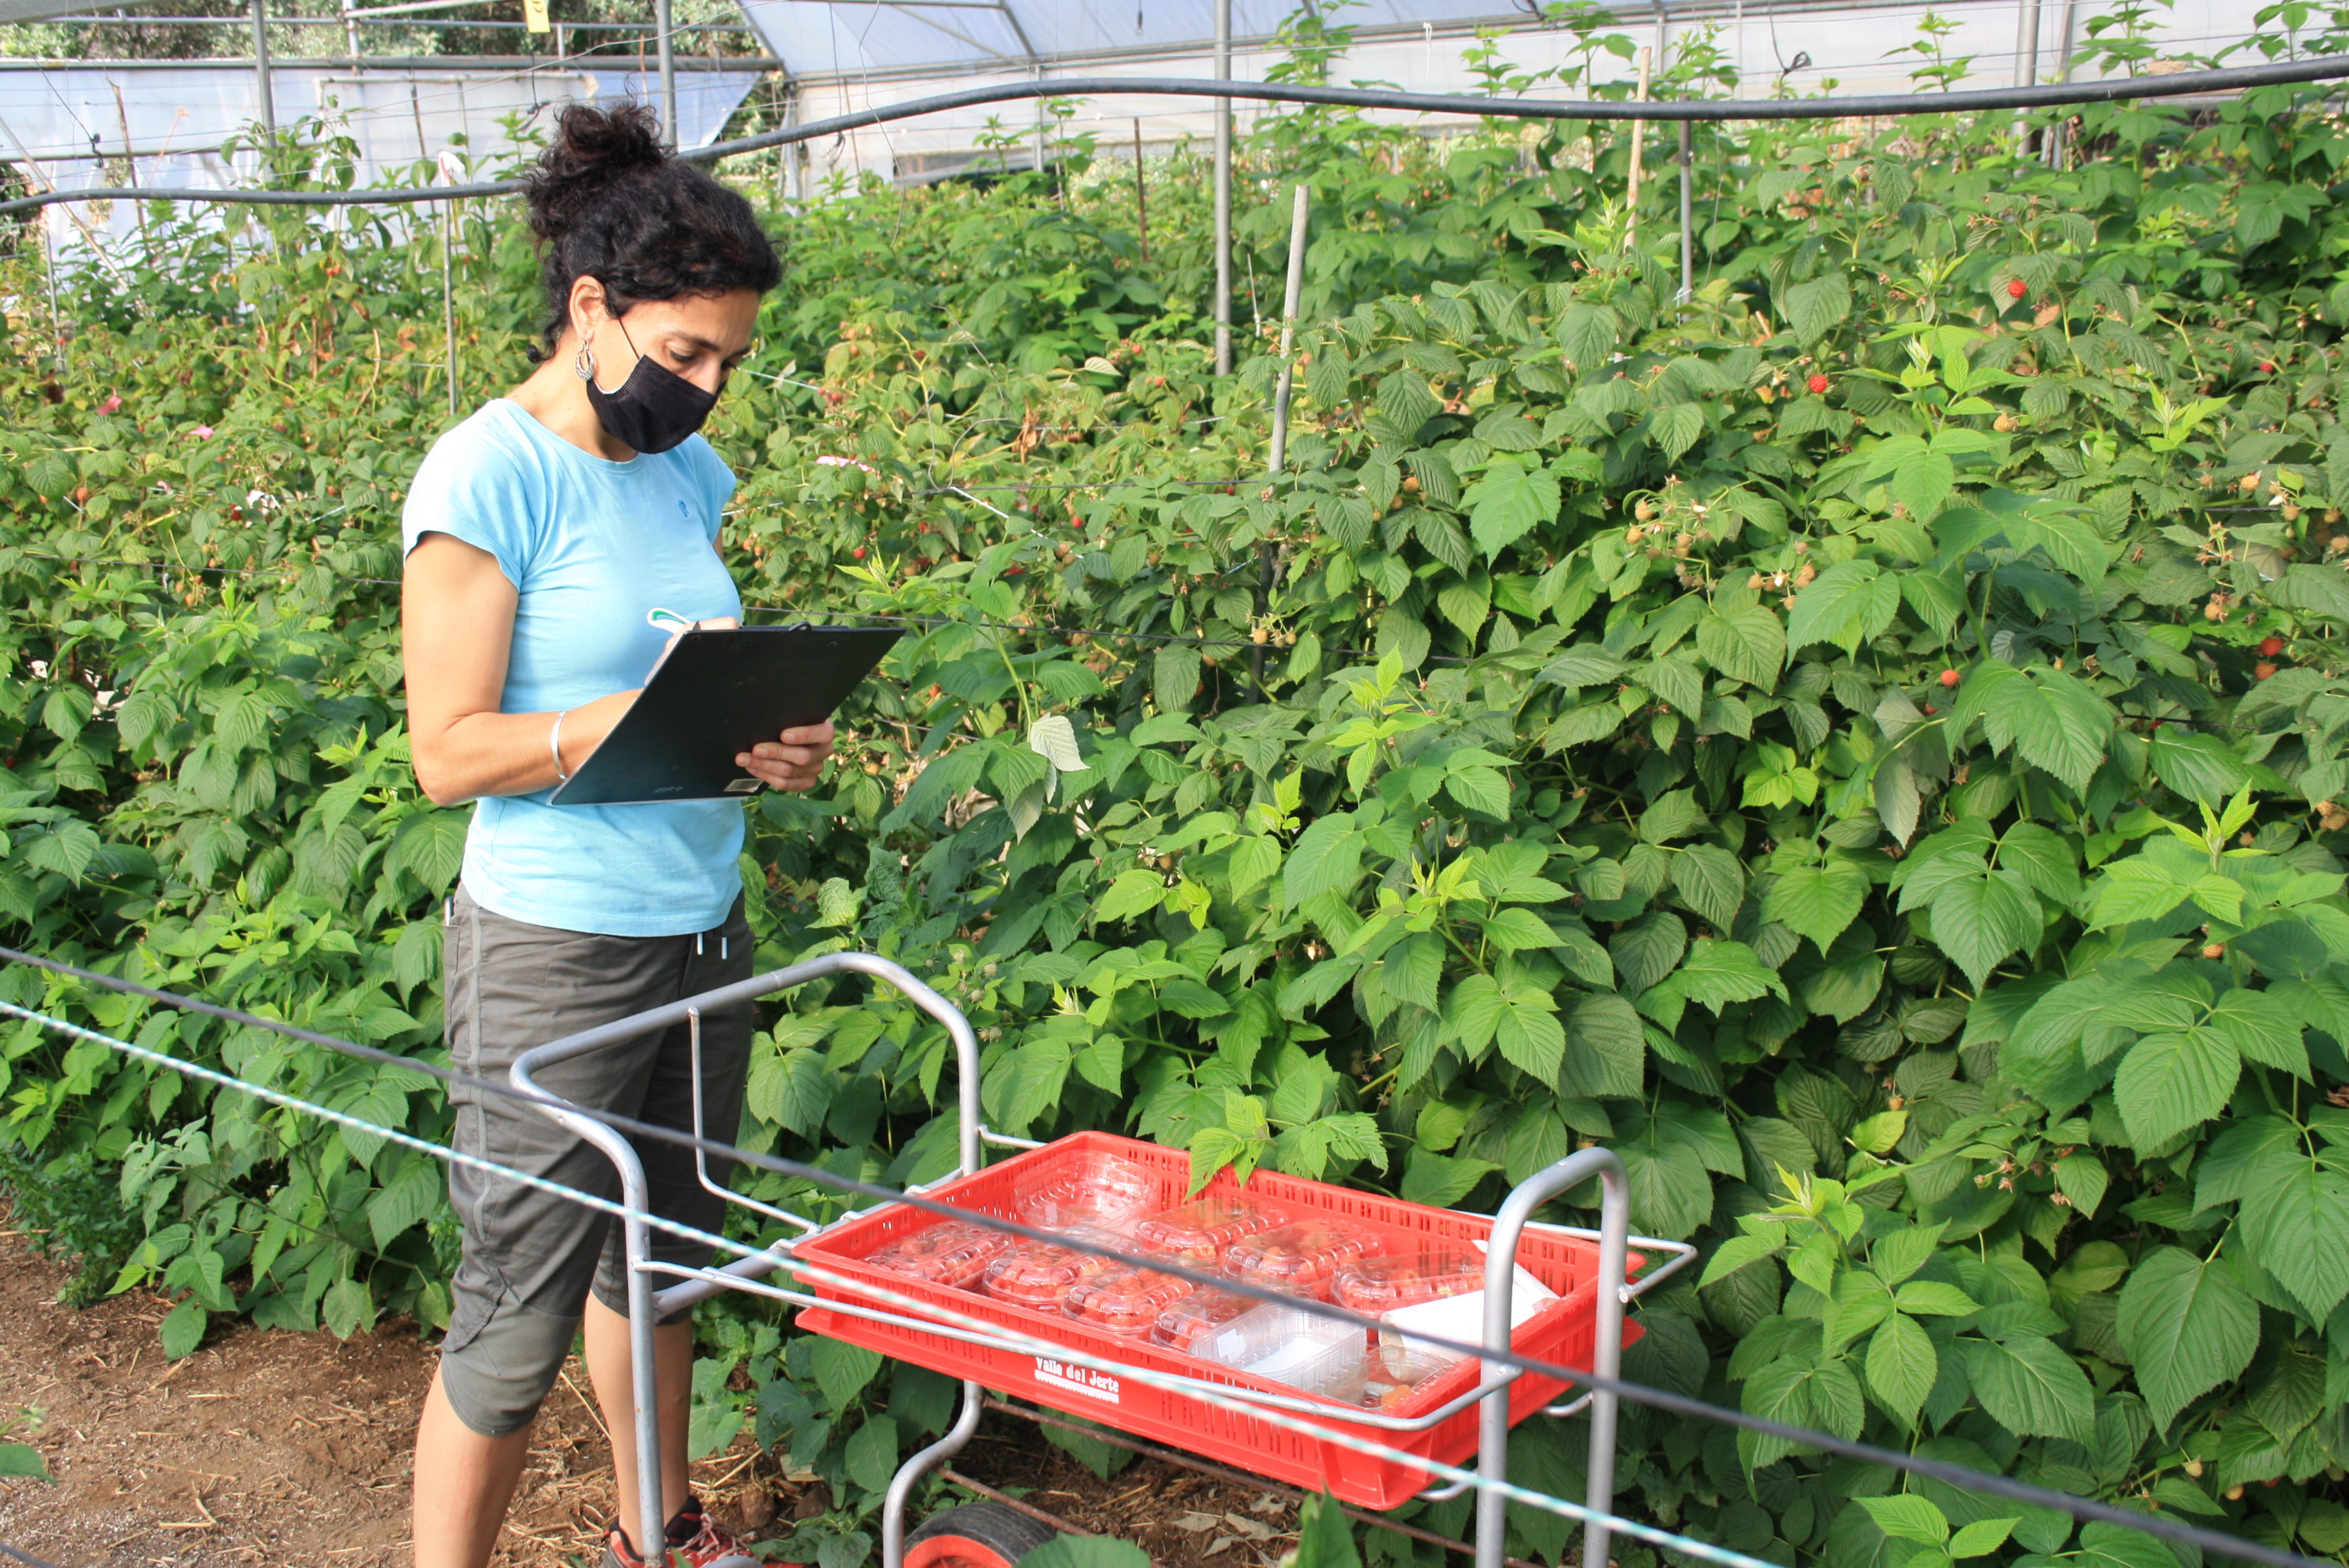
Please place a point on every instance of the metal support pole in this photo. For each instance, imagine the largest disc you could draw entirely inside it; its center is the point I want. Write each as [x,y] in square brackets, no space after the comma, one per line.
[1223,192]
[261,67]
[901,1485]
[668,71]
[1606,1354]
[1688,218]
[1639,151]
[1289,303]
[2026,62]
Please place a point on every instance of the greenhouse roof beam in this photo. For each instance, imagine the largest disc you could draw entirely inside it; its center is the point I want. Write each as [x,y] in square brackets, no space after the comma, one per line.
[913,8]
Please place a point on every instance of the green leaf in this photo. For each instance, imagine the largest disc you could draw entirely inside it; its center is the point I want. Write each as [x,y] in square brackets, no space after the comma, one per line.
[1901,1367]
[1847,603]
[1508,503]
[1934,1299]
[2173,1081]
[1174,677]
[1817,305]
[1529,1035]
[1607,1049]
[842,1370]
[1716,973]
[432,847]
[1134,893]
[1978,920]
[1479,789]
[1086,1551]
[1744,641]
[2292,1207]
[1328,858]
[2118,1546]
[871,1456]
[1325,1537]
[1711,882]
[1982,1537]
[2187,1327]
[21,1460]
[1908,1517]
[184,1328]
[1817,902]
[1440,1181]
[2030,1388]
[1670,817]
[2054,721]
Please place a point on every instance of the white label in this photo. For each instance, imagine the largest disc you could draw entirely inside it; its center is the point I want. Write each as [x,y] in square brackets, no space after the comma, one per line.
[1077,1379]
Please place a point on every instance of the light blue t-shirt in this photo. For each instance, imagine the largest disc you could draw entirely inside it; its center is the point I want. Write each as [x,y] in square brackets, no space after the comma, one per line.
[592,546]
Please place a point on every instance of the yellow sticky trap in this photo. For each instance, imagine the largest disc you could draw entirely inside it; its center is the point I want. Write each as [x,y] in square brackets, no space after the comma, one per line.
[534,15]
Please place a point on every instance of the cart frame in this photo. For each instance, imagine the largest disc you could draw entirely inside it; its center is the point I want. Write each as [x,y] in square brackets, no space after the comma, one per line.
[648,1304]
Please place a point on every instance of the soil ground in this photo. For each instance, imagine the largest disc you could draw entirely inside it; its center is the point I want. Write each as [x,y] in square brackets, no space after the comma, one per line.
[267,1446]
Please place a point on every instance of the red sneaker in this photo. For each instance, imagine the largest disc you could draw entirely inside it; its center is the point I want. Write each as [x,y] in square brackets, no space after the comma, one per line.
[693,1543]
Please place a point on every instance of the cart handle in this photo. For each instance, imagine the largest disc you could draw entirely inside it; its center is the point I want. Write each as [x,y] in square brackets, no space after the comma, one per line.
[644,1306]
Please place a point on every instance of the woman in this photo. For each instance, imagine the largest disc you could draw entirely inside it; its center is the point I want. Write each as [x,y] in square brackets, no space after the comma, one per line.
[552,540]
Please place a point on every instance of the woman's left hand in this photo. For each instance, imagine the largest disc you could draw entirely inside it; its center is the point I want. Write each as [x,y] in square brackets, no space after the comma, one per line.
[793,761]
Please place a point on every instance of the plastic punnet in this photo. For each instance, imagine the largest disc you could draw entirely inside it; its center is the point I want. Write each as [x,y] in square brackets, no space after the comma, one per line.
[1040,1273]
[1198,1316]
[1197,1235]
[1088,1188]
[953,1252]
[1300,1258]
[1381,1284]
[1127,1301]
[1282,1344]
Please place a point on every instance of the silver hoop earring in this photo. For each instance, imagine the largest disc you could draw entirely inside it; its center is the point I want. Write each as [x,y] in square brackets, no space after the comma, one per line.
[582,365]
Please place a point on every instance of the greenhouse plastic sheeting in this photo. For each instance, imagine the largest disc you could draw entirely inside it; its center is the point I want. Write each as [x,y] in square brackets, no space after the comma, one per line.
[847,57]
[176,121]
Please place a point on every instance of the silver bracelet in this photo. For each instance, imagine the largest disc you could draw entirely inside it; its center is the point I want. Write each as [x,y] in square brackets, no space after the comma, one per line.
[555,745]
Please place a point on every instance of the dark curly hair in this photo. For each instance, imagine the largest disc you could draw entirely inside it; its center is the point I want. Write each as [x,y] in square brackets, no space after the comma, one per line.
[607,202]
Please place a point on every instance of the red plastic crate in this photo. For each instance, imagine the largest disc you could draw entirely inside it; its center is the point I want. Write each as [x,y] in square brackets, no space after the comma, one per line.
[1561,1332]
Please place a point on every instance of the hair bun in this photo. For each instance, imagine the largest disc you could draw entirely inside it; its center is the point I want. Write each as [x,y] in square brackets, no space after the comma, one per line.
[594,150]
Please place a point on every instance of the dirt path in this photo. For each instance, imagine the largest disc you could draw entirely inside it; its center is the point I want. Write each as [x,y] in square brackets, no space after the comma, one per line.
[292,1449]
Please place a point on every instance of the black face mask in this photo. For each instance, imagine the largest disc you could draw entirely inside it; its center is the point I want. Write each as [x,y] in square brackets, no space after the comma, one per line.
[655,408]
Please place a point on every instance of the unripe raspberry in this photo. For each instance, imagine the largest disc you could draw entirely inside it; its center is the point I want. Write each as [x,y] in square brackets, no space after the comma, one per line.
[2214,949]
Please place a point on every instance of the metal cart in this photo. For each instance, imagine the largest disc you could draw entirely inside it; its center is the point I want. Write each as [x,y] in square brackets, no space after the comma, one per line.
[648,1302]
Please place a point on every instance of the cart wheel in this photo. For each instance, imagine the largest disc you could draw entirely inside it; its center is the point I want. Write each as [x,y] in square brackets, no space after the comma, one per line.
[974,1535]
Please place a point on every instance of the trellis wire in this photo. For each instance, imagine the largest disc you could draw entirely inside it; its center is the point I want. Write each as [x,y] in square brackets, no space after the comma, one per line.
[2077,1508]
[2055,95]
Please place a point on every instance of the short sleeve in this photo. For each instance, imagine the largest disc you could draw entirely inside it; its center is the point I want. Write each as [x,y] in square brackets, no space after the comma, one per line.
[474,487]
[715,481]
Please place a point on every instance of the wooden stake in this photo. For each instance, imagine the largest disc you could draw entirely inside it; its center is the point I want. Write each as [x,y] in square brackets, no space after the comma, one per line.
[1639,151]
[1140,195]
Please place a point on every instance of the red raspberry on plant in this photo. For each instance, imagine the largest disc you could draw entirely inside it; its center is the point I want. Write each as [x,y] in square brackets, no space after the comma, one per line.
[2016,288]
[1819,384]
[2271,646]
[1951,678]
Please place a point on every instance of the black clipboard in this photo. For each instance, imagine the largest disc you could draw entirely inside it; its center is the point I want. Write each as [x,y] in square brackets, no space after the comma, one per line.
[714,695]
